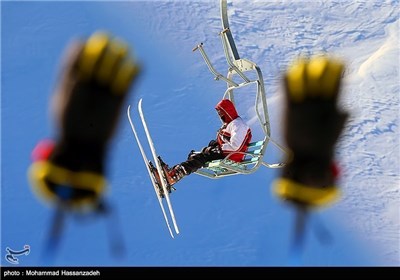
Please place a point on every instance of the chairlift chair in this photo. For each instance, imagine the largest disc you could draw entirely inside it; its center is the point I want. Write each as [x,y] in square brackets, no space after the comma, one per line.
[237,68]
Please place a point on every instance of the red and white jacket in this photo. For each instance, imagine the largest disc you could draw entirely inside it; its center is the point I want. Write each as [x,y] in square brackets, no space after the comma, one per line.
[235,134]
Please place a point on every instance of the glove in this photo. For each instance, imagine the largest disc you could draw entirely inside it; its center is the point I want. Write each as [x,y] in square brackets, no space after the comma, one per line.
[94,84]
[209,150]
[213,143]
[206,150]
[312,126]
[191,154]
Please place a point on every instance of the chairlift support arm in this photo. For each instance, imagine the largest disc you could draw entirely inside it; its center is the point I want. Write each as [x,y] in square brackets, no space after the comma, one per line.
[237,66]
[218,76]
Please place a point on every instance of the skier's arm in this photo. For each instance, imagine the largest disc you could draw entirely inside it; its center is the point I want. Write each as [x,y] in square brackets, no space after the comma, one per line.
[238,133]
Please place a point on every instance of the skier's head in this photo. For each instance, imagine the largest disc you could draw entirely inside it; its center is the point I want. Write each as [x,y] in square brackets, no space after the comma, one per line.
[226,110]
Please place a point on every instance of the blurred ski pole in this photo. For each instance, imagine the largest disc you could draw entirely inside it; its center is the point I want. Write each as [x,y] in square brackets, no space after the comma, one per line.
[68,173]
[312,125]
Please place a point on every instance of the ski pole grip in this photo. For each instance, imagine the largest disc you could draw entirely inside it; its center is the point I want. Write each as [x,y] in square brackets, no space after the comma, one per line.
[95,81]
[313,124]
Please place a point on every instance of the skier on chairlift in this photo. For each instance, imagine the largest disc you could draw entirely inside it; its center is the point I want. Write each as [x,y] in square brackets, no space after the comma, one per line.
[232,141]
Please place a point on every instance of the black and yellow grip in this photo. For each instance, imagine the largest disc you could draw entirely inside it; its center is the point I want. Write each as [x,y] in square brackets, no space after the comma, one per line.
[312,125]
[75,189]
[87,103]
[107,60]
[292,191]
[318,77]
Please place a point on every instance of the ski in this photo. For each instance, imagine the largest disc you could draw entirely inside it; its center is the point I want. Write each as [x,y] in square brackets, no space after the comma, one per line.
[151,174]
[158,165]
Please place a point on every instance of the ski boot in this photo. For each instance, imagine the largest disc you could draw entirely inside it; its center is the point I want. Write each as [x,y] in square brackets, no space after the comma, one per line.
[157,179]
[174,174]
[171,175]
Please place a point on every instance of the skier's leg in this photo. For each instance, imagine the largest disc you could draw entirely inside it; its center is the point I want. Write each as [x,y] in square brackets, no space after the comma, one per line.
[197,160]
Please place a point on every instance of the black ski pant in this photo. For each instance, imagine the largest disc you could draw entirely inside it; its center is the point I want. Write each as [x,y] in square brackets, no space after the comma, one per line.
[197,160]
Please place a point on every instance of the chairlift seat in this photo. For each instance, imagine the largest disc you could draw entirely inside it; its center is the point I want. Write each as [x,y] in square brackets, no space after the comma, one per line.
[225,167]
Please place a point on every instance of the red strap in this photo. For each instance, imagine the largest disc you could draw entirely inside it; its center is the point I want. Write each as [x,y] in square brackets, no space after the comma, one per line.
[43,150]
[335,170]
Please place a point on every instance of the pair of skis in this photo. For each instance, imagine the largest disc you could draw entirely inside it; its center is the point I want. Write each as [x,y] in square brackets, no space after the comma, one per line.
[166,206]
